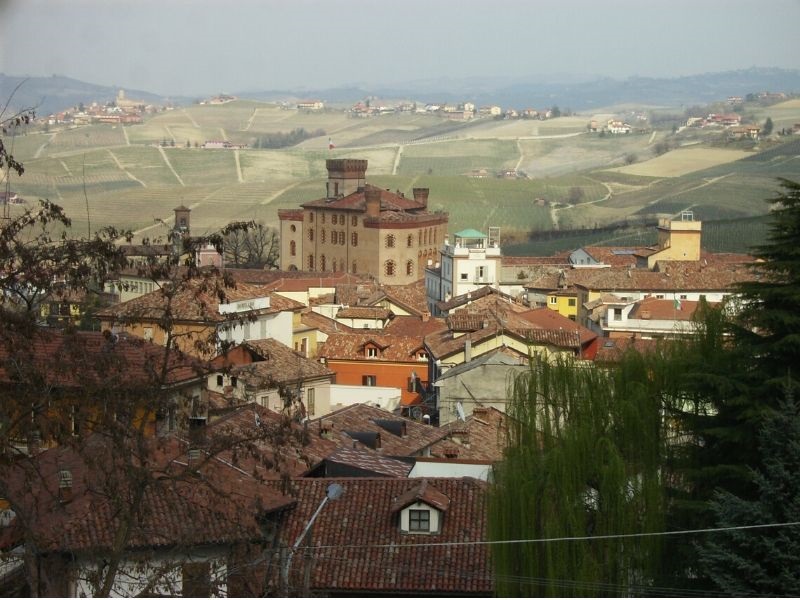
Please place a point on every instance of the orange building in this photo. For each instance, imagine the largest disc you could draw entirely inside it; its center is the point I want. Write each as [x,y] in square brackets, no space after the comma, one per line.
[380,359]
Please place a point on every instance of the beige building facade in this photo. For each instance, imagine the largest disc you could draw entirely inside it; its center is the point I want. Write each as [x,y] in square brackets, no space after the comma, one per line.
[361,228]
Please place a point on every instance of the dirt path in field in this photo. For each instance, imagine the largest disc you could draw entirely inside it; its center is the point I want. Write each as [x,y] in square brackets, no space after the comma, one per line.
[43,146]
[188,116]
[272,197]
[554,210]
[125,135]
[397,159]
[169,164]
[66,168]
[238,166]
[521,156]
[124,170]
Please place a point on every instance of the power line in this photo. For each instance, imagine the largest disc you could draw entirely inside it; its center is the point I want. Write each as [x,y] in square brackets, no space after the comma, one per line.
[566,539]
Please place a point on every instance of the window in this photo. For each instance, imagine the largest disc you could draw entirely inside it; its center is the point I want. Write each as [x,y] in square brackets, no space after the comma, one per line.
[355,267]
[464,276]
[354,239]
[310,401]
[419,520]
[196,580]
[292,228]
[220,381]
[480,273]
[354,221]
[553,299]
[322,262]
[389,267]
[571,302]
[390,241]
[293,248]
[410,267]
[311,235]
[410,241]
[233,381]
[321,236]
[310,217]
[322,218]
[372,352]
[341,238]
[370,380]
[310,262]
[683,296]
[618,314]
[148,334]
[334,219]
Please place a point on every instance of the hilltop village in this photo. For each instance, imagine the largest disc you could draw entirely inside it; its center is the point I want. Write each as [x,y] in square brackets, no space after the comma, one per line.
[376,361]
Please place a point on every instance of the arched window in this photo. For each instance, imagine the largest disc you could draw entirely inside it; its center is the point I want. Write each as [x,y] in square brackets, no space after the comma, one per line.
[310,262]
[341,263]
[354,221]
[321,236]
[322,262]
[292,248]
[310,217]
[389,268]
[341,238]
[354,267]
[311,235]
[390,241]
[323,217]
[410,240]
[292,228]
[410,267]
[354,239]
[334,219]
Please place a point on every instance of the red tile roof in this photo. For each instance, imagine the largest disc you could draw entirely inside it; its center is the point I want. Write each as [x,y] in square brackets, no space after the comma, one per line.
[481,437]
[94,359]
[350,346]
[363,312]
[372,420]
[196,301]
[218,505]
[370,461]
[277,364]
[390,201]
[358,547]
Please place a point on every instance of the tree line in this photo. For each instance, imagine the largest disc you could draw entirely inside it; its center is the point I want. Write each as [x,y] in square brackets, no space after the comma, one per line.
[281,139]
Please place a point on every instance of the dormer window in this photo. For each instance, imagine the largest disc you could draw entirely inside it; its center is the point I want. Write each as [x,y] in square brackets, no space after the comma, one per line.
[419,520]
[372,352]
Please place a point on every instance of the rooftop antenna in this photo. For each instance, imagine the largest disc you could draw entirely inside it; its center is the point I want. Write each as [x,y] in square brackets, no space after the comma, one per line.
[460,412]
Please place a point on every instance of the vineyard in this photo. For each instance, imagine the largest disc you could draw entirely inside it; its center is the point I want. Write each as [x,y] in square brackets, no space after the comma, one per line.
[569,179]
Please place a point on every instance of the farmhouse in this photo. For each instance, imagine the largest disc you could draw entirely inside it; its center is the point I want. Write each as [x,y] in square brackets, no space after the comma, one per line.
[361,228]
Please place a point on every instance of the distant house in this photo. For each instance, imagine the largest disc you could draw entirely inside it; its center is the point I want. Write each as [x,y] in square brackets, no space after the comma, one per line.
[310,105]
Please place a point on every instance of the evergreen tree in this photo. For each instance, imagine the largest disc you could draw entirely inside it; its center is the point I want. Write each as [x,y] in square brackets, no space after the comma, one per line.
[762,562]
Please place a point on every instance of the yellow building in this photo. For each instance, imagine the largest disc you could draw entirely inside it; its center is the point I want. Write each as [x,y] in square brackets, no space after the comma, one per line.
[677,240]
[565,302]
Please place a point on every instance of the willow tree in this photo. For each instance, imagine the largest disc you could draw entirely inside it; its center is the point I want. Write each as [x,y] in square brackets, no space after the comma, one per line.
[583,471]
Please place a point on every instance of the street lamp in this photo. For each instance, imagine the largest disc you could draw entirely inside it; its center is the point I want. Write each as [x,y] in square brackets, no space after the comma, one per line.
[334,492]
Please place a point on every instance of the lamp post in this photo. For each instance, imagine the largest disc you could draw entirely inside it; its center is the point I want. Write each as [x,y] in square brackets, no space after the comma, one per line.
[334,492]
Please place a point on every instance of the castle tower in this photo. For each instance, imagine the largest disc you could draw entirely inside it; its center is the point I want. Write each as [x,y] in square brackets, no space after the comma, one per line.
[345,176]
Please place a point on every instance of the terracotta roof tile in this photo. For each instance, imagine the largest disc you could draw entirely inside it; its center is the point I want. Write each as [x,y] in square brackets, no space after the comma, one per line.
[371,462]
[481,437]
[359,549]
[363,312]
[279,364]
[93,358]
[369,419]
[351,346]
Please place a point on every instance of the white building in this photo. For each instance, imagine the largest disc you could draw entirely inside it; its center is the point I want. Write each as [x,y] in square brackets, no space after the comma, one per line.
[470,263]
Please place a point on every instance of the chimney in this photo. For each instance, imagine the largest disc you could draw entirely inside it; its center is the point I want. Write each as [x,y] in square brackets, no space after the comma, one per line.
[467,350]
[421,196]
[373,200]
[425,316]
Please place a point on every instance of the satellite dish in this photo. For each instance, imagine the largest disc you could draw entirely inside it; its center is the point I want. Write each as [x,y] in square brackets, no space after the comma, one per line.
[460,412]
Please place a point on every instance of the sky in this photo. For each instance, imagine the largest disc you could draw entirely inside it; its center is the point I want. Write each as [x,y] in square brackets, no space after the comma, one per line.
[192,47]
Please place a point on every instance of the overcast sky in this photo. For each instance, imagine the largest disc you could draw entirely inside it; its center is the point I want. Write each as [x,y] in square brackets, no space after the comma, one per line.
[188,47]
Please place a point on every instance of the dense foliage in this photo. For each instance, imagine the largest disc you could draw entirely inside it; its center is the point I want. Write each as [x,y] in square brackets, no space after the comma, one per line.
[696,435]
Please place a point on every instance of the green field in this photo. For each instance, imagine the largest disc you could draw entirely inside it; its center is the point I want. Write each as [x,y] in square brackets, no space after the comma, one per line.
[572,179]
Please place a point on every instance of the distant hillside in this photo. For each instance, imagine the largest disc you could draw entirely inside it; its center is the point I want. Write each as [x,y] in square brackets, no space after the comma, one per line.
[56,93]
[576,95]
